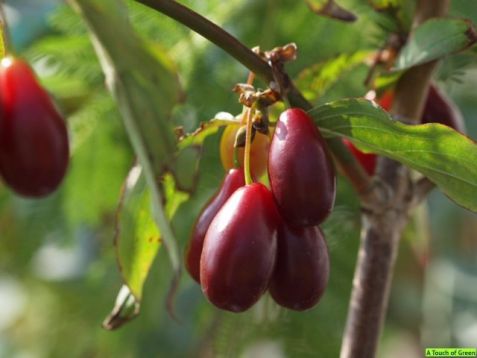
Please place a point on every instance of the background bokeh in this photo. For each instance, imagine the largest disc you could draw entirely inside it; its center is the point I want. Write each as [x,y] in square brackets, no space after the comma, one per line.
[58,273]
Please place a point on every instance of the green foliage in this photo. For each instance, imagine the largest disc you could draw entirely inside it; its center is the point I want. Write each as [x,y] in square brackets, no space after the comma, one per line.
[443,155]
[435,39]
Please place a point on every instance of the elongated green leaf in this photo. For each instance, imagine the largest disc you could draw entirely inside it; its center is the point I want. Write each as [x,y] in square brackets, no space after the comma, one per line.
[435,39]
[444,156]
[137,239]
[145,89]
[137,236]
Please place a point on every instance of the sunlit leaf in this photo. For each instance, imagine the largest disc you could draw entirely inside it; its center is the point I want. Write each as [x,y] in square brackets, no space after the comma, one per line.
[145,90]
[317,79]
[443,155]
[137,239]
[435,39]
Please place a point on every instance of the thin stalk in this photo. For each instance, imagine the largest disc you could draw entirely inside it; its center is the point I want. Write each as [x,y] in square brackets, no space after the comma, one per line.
[248,145]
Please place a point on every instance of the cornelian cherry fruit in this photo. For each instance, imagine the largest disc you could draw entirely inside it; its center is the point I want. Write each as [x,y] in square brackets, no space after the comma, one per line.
[232,181]
[302,267]
[34,151]
[258,151]
[440,109]
[239,249]
[301,173]
[367,160]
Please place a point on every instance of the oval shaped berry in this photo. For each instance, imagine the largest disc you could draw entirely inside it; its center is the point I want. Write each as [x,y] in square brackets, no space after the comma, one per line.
[440,109]
[301,173]
[367,160]
[302,267]
[232,181]
[34,149]
[258,151]
[239,250]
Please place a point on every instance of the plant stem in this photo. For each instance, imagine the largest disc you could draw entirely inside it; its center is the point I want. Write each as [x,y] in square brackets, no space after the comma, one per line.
[384,222]
[349,165]
[248,144]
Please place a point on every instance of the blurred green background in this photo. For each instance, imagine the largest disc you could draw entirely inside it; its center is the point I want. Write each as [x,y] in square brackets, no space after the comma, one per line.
[58,273]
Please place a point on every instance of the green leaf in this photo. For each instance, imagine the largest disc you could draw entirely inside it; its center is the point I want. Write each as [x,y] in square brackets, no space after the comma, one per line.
[443,155]
[318,78]
[2,45]
[137,239]
[145,90]
[435,39]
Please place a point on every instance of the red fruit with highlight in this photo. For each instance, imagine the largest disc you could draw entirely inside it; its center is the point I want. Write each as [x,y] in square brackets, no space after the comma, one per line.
[239,250]
[34,150]
[302,176]
[232,181]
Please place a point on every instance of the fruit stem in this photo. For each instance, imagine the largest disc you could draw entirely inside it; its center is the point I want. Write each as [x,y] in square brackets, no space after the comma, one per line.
[248,144]
[4,31]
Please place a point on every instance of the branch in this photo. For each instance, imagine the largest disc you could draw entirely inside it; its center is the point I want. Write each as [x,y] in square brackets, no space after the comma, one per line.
[348,164]
[383,225]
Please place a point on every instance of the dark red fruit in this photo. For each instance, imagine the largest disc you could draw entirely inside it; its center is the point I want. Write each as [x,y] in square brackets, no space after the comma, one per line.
[440,109]
[232,181]
[301,173]
[240,248]
[367,160]
[34,149]
[302,267]
[386,100]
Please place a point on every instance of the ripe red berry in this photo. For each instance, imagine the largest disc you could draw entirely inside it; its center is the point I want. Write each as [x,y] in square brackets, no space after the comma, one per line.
[34,149]
[302,267]
[301,173]
[239,250]
[367,160]
[440,109]
[232,181]
[386,100]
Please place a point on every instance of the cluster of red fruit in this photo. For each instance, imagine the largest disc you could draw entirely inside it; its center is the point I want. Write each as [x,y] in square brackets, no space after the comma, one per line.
[437,109]
[248,239]
[34,150]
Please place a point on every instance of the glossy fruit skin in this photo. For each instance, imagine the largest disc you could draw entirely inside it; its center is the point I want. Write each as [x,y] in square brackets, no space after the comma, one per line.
[240,248]
[367,160]
[302,267]
[34,150]
[302,176]
[258,151]
[233,180]
[440,109]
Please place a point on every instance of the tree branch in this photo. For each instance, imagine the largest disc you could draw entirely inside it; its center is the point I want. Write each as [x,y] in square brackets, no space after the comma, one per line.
[383,224]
